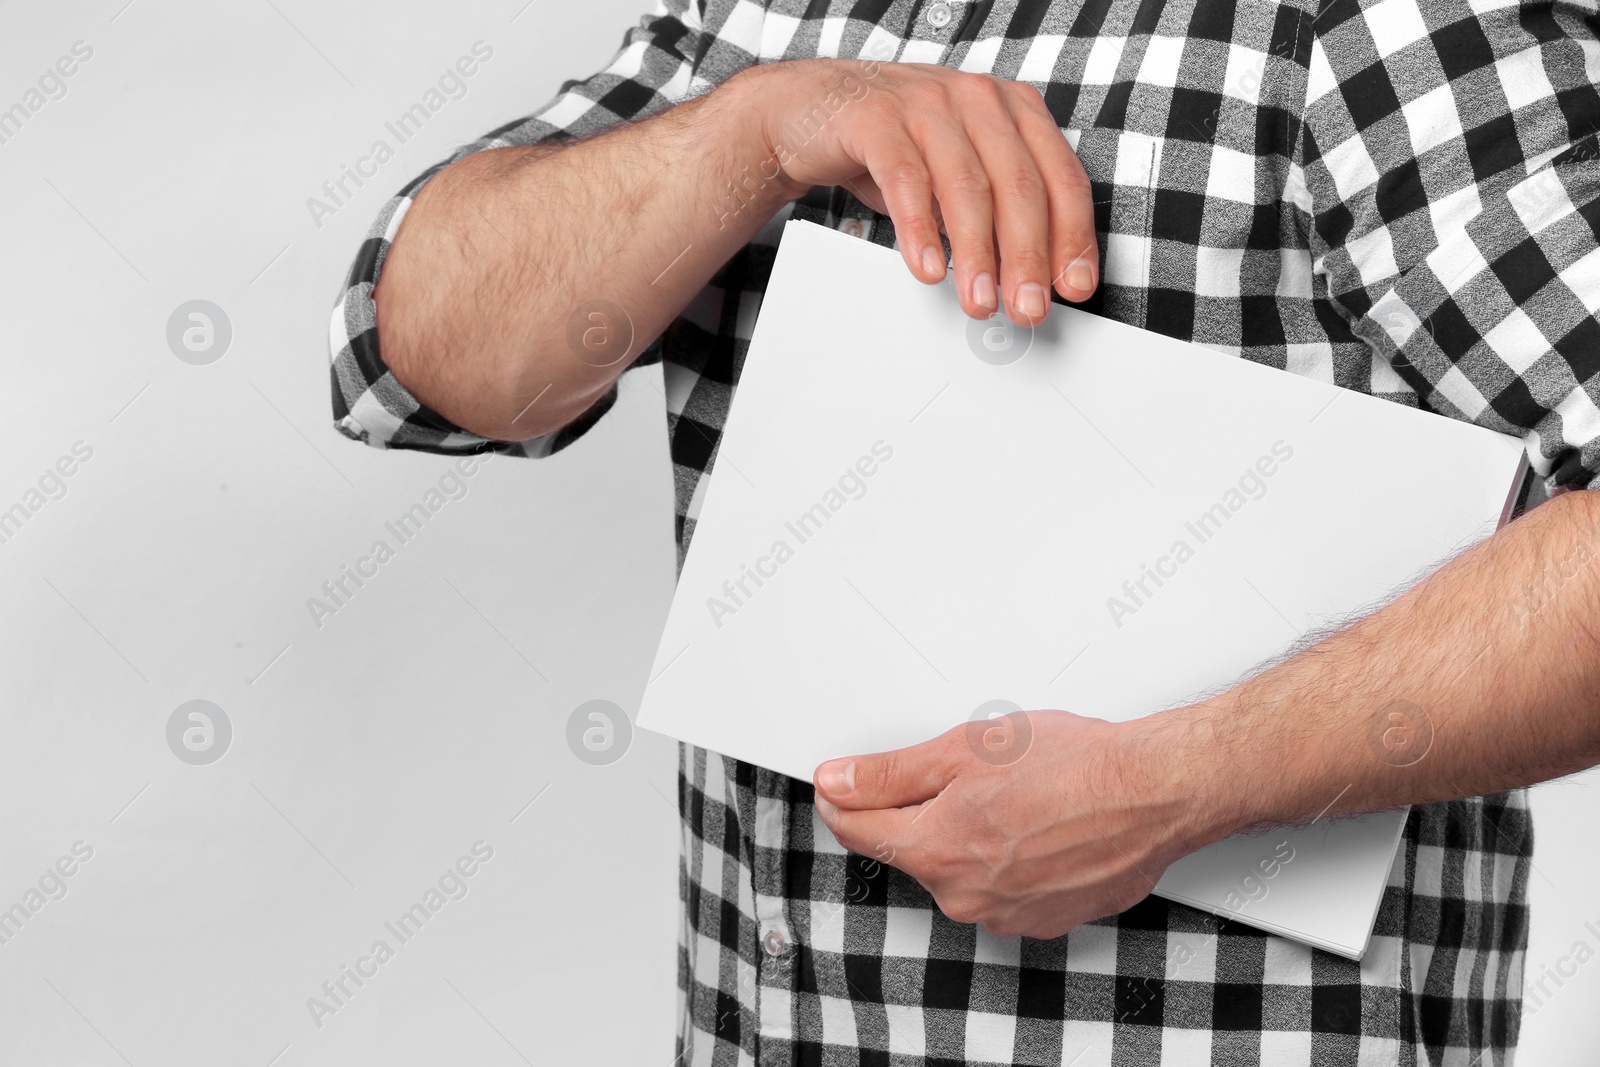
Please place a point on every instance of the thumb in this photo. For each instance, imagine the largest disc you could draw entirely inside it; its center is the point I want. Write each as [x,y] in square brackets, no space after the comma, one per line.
[894,779]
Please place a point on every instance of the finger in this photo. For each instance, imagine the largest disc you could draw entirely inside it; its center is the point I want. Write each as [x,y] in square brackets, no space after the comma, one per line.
[886,835]
[891,779]
[1020,202]
[896,169]
[1074,251]
[965,195]
[866,190]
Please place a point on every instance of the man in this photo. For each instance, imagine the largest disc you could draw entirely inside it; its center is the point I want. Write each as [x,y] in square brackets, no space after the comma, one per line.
[1399,199]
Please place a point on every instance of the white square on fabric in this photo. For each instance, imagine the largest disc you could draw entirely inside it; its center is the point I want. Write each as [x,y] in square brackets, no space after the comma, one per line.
[1086,1044]
[907,1037]
[1191,956]
[1216,271]
[1579,416]
[1395,24]
[831,34]
[1294,273]
[981,56]
[1247,69]
[1127,259]
[1384,378]
[1350,166]
[990,1037]
[1285,962]
[1136,160]
[744,26]
[1162,57]
[1452,212]
[571,107]
[776,33]
[922,52]
[1372,254]
[1040,62]
[1432,119]
[838,1020]
[1286,1046]
[1456,388]
[908,932]
[1519,343]
[1184,1048]
[1320,80]
[1092,949]
[1104,54]
[1232,176]
[1311,361]
[1522,78]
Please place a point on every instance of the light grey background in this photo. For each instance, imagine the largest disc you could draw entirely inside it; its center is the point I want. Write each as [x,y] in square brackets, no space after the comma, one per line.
[372,752]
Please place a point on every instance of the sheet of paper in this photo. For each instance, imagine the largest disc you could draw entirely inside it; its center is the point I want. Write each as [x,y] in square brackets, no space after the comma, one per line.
[913,515]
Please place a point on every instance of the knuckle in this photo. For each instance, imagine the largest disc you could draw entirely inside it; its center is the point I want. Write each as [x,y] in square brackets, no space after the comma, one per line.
[983,87]
[905,174]
[1026,92]
[927,96]
[1024,184]
[962,909]
[968,181]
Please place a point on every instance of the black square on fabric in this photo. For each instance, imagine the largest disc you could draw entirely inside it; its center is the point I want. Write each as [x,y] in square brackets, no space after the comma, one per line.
[1236,1006]
[1061,98]
[866,881]
[726,1024]
[1492,146]
[1335,1009]
[1260,321]
[1177,216]
[947,984]
[1140,1001]
[691,449]
[1149,914]
[1462,47]
[1581,349]
[1169,311]
[1523,270]
[1194,115]
[1370,96]
[1041,994]
[864,973]
[1516,403]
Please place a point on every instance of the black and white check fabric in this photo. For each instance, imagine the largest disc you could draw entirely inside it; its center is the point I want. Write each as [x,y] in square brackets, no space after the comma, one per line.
[1398,198]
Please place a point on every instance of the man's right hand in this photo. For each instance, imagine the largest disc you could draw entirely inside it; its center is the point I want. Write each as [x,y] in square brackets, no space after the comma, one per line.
[513,260]
[979,157]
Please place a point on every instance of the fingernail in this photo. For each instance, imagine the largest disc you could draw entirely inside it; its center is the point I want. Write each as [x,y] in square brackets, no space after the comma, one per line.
[933,261]
[1031,300]
[837,778]
[983,293]
[1080,276]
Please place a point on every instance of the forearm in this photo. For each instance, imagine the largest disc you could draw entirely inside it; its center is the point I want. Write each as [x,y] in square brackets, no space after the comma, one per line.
[498,303]
[1492,665]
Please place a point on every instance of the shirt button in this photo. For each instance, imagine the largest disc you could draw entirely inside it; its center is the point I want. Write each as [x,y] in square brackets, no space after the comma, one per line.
[774,943]
[852,227]
[939,15]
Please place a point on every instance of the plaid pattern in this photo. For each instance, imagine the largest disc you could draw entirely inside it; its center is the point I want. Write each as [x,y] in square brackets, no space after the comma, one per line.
[1396,198]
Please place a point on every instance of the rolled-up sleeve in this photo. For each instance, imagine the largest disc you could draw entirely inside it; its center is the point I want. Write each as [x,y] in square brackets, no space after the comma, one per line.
[1452,167]
[654,68]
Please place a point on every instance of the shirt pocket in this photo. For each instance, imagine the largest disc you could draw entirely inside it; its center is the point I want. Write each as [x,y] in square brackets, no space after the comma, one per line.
[1122,167]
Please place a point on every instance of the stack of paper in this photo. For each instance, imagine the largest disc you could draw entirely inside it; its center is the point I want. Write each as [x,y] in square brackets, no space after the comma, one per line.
[913,514]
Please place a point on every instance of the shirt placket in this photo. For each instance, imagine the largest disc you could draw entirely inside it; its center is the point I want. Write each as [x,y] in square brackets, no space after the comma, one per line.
[934,28]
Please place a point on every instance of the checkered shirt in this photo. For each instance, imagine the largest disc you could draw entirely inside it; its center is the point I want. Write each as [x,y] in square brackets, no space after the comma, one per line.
[1397,198]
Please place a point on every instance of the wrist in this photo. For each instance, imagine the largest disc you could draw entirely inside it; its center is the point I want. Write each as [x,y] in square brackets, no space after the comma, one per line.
[741,110]
[1180,761]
